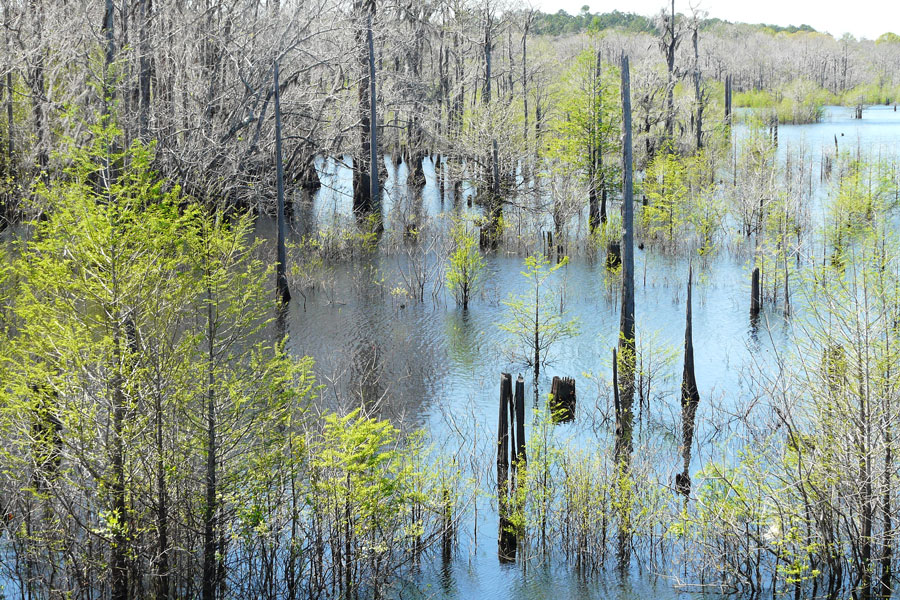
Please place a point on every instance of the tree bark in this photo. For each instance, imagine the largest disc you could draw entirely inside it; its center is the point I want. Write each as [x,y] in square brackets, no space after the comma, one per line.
[365,167]
[282,291]
[626,354]
[690,397]
[145,75]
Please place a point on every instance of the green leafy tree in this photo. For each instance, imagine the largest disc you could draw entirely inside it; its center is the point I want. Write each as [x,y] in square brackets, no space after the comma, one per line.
[89,274]
[466,264]
[586,128]
[536,320]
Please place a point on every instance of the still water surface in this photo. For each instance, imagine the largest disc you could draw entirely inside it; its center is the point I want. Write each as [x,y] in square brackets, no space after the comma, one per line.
[431,365]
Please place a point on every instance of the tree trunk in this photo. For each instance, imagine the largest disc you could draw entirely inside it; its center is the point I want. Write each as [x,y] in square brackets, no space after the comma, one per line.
[365,167]
[145,76]
[624,415]
[698,96]
[597,214]
[209,513]
[282,291]
[690,397]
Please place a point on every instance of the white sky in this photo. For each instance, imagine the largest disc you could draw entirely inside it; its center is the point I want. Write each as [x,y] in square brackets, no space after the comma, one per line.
[862,18]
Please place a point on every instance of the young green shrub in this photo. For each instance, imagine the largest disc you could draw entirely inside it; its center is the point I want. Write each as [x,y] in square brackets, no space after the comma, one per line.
[466,268]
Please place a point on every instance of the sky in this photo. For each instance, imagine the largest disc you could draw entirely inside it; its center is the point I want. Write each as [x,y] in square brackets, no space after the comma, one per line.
[861,18]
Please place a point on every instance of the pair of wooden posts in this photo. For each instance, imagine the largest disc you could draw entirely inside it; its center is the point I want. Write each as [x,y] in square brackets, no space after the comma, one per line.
[510,452]
[511,445]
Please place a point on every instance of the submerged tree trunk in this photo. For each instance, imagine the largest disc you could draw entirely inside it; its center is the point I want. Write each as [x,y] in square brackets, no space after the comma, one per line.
[626,354]
[284,294]
[690,398]
[210,538]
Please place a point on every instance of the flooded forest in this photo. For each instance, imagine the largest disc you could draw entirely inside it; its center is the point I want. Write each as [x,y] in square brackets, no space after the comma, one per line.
[308,299]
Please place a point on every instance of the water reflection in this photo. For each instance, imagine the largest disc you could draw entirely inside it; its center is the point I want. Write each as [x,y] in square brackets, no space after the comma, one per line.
[415,362]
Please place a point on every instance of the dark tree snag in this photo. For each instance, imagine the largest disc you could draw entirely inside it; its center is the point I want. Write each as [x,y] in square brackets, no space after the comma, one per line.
[595,167]
[520,420]
[627,325]
[755,297]
[488,49]
[37,84]
[613,254]
[671,41]
[698,91]
[365,169]
[46,432]
[562,391]
[624,414]
[373,116]
[506,546]
[617,407]
[145,7]
[210,510]
[10,123]
[281,285]
[690,398]
[308,177]
[503,431]
[728,100]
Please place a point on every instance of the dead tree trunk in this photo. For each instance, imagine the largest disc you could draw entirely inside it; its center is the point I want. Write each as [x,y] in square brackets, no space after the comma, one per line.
[690,398]
[281,285]
[627,324]
[698,91]
[670,47]
[506,536]
[728,100]
[145,74]
[624,415]
[597,213]
[562,391]
[365,164]
[36,76]
[520,421]
[755,298]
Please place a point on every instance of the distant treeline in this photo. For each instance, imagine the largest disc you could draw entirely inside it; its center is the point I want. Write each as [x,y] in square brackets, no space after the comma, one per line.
[561,22]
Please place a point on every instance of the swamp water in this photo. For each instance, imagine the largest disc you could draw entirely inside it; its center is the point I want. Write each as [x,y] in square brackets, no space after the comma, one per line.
[430,365]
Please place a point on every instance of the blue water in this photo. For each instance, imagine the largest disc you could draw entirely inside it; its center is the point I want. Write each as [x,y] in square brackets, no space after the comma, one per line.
[430,365]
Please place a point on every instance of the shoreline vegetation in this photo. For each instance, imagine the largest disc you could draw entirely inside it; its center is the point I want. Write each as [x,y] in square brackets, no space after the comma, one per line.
[163,436]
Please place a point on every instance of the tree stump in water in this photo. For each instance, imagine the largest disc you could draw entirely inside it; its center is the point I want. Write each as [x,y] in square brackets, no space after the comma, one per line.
[562,402]
[613,255]
[520,420]
[755,299]
[506,539]
[690,398]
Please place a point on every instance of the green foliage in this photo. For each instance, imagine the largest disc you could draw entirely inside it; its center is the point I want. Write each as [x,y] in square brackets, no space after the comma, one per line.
[682,197]
[888,38]
[580,102]
[466,266]
[312,259]
[536,319]
[870,94]
[797,102]
[863,195]
[561,22]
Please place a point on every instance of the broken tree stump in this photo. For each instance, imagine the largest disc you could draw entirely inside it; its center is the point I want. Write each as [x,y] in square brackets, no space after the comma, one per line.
[755,298]
[613,255]
[562,401]
[506,538]
[520,420]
